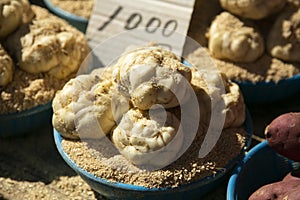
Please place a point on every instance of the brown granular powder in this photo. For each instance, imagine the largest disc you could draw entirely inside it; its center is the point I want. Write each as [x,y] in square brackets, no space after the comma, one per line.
[90,156]
[28,90]
[61,188]
[265,68]
[81,8]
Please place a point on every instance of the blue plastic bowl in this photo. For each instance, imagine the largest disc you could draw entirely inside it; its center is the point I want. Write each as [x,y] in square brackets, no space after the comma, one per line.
[20,123]
[266,92]
[119,190]
[261,166]
[78,22]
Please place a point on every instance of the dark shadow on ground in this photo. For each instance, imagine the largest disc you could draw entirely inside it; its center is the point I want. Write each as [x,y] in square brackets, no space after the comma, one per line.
[32,157]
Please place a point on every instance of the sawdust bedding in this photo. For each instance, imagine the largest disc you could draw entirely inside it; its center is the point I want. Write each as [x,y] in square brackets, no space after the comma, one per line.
[81,8]
[88,155]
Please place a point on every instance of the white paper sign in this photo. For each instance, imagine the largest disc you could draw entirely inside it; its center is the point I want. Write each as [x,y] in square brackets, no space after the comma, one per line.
[116,25]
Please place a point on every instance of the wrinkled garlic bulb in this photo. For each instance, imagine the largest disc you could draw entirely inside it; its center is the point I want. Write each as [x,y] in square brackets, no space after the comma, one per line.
[253,9]
[151,76]
[231,39]
[234,104]
[150,141]
[284,37]
[12,14]
[48,44]
[6,67]
[88,106]
[68,101]
[230,101]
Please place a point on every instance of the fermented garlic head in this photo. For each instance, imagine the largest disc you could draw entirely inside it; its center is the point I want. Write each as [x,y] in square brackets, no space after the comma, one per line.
[231,39]
[6,67]
[68,101]
[148,140]
[12,14]
[152,75]
[284,37]
[253,9]
[88,106]
[234,104]
[229,101]
[48,44]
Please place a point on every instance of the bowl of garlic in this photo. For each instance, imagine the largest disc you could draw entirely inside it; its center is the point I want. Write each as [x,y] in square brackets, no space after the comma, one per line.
[37,57]
[136,129]
[257,50]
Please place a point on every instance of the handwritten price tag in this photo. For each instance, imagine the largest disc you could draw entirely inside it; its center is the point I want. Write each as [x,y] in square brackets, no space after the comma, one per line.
[116,25]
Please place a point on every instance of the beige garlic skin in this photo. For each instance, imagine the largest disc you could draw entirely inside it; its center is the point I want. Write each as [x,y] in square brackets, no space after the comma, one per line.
[234,104]
[152,75]
[253,9]
[230,101]
[207,87]
[13,13]
[6,67]
[68,101]
[230,39]
[146,141]
[86,106]
[284,37]
[48,44]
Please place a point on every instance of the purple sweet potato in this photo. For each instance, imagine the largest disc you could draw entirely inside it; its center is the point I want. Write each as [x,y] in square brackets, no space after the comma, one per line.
[278,190]
[283,135]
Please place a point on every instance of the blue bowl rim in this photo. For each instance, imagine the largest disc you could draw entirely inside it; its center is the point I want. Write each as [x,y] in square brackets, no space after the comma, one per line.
[260,83]
[118,185]
[269,83]
[26,113]
[232,180]
[63,13]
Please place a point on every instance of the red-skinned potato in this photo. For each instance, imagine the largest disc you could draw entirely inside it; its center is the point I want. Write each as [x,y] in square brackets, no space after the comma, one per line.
[293,194]
[283,135]
[277,190]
